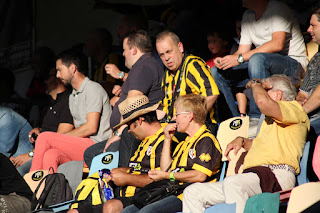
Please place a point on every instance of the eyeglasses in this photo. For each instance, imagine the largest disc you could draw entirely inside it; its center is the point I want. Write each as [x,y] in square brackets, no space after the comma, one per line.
[179,113]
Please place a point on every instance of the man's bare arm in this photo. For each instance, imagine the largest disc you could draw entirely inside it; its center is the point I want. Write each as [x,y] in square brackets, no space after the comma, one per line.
[273,46]
[313,101]
[89,128]
[64,128]
[125,179]
[210,101]
[266,105]
[302,97]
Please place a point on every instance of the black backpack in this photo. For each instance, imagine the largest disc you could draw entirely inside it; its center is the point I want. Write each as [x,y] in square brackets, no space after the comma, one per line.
[56,190]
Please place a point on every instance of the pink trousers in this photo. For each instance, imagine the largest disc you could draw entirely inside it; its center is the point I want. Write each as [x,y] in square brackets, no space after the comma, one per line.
[53,149]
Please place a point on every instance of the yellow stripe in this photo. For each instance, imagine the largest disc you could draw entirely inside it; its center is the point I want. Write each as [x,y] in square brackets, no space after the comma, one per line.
[202,169]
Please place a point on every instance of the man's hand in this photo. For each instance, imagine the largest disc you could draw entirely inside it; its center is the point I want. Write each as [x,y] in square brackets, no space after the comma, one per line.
[226,62]
[217,62]
[303,102]
[114,100]
[119,177]
[110,141]
[302,97]
[157,175]
[169,130]
[112,70]
[117,90]
[236,144]
[34,130]
[21,159]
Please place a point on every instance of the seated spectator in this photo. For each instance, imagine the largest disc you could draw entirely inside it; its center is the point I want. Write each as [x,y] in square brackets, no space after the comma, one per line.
[309,92]
[90,108]
[98,46]
[197,159]
[15,194]
[14,130]
[184,74]
[271,27]
[43,60]
[273,156]
[218,44]
[142,121]
[144,78]
[57,119]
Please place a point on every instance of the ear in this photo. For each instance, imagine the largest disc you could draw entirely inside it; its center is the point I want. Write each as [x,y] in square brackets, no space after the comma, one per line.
[190,116]
[73,68]
[134,50]
[140,120]
[280,95]
[180,46]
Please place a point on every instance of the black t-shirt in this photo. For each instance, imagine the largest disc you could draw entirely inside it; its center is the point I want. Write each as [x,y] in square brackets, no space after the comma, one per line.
[11,181]
[145,76]
[58,112]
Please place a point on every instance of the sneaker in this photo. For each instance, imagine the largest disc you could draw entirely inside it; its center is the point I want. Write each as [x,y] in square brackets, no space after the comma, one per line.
[253,127]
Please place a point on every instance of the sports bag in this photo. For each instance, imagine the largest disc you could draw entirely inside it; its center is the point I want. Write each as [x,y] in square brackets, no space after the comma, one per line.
[156,191]
[56,190]
[88,195]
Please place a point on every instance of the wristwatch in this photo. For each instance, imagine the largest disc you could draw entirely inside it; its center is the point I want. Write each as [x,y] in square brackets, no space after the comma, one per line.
[121,75]
[117,133]
[171,177]
[240,59]
[30,154]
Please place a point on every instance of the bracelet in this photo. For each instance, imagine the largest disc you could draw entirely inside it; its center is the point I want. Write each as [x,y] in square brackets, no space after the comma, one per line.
[116,133]
[172,178]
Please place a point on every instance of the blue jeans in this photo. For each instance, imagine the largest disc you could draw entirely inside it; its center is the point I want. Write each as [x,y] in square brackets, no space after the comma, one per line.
[169,204]
[315,123]
[226,79]
[24,168]
[14,131]
[263,65]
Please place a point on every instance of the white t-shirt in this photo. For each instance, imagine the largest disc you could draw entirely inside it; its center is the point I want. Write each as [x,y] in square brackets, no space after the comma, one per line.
[277,17]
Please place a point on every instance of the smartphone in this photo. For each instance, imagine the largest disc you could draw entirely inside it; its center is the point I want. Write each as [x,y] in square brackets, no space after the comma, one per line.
[34,136]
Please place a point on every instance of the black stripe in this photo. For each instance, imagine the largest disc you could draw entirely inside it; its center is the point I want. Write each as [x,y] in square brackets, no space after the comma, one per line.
[193,80]
[137,109]
[204,77]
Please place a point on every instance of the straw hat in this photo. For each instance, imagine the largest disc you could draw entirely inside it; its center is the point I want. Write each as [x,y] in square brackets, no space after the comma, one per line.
[134,107]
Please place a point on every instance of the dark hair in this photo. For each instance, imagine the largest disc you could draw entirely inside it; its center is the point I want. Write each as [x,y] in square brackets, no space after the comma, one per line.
[149,118]
[69,57]
[140,39]
[223,32]
[317,13]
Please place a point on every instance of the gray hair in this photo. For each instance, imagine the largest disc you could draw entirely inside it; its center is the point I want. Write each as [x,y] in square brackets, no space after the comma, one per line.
[282,82]
[167,33]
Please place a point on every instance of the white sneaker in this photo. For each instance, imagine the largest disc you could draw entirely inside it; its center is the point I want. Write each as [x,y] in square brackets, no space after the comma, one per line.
[253,127]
